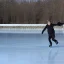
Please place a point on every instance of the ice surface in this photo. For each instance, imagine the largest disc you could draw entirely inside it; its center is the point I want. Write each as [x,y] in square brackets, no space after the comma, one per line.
[30,49]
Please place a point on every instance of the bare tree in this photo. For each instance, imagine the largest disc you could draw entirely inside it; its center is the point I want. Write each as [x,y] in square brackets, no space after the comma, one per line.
[31,11]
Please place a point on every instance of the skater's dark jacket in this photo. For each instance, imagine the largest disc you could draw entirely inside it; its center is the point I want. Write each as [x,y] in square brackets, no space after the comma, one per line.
[50,28]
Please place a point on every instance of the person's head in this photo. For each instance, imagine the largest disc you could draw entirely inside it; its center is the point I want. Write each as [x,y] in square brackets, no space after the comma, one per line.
[48,22]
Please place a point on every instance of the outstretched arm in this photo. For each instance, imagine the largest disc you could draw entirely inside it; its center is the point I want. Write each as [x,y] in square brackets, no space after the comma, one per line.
[55,24]
[60,24]
[44,29]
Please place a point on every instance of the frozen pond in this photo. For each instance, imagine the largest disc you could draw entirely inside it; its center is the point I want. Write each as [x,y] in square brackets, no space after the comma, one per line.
[30,49]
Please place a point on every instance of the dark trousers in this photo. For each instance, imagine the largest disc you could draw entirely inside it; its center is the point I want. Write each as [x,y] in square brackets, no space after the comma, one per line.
[53,38]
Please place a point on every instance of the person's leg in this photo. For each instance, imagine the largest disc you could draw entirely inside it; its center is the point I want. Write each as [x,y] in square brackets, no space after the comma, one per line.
[53,38]
[50,41]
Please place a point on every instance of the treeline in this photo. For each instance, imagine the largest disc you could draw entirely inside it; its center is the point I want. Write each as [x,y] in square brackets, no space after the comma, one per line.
[31,12]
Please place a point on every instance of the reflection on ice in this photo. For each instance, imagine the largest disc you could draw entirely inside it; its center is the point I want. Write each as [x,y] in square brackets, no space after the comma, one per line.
[52,55]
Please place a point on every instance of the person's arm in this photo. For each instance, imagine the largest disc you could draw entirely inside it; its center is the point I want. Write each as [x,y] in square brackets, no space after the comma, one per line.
[60,24]
[55,24]
[44,29]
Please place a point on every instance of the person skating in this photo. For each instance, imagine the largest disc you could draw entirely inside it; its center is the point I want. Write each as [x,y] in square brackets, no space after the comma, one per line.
[51,31]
